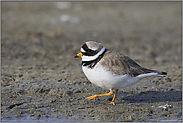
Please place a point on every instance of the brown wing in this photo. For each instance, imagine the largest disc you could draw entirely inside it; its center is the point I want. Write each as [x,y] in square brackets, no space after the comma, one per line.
[121,64]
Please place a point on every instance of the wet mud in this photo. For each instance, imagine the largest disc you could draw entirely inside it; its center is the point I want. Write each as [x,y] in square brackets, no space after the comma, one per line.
[41,80]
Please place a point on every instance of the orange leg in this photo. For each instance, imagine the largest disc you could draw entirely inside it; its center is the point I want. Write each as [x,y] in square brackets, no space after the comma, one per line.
[95,96]
[112,102]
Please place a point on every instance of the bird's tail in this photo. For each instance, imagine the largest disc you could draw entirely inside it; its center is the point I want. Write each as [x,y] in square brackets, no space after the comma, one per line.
[153,71]
[149,72]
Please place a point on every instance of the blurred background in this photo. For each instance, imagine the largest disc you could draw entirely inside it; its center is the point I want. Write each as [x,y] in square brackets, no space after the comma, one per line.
[51,31]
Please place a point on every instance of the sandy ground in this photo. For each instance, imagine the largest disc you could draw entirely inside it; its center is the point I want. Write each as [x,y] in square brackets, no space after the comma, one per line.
[41,81]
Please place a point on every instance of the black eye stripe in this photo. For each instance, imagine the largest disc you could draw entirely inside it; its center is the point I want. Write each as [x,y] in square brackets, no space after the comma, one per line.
[85,47]
[88,52]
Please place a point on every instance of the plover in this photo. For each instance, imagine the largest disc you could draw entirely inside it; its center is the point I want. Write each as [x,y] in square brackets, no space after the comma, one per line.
[111,70]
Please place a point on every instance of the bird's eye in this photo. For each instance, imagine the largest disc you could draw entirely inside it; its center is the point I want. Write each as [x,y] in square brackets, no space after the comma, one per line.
[89,50]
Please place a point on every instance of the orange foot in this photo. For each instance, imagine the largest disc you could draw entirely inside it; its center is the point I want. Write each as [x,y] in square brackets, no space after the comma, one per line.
[95,96]
[111,103]
[92,97]
[108,94]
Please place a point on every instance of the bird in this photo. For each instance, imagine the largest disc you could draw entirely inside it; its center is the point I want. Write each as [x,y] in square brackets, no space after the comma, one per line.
[111,70]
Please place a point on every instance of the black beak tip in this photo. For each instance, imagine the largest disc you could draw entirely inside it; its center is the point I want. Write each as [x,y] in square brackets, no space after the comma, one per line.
[76,56]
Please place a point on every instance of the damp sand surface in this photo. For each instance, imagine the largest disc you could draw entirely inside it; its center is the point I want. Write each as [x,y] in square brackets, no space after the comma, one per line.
[41,80]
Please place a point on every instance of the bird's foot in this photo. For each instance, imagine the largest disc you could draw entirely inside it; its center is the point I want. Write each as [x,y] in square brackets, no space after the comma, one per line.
[91,97]
[111,103]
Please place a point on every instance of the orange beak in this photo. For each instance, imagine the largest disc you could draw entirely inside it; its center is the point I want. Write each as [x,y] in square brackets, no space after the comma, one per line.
[78,55]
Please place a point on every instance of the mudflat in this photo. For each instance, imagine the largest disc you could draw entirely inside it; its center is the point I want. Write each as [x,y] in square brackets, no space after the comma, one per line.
[41,80]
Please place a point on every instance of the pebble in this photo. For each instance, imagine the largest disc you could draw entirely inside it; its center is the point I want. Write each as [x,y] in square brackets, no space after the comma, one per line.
[69,93]
[168,80]
[53,100]
[77,91]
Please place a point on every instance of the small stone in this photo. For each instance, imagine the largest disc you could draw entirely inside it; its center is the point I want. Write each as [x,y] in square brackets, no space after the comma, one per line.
[168,80]
[20,76]
[77,91]
[110,99]
[171,89]
[53,100]
[38,116]
[164,115]
[68,93]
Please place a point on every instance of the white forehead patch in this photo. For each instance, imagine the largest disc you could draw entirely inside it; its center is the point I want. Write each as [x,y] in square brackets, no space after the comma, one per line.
[82,50]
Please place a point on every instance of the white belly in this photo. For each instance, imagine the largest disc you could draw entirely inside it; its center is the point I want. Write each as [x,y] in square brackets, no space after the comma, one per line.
[105,79]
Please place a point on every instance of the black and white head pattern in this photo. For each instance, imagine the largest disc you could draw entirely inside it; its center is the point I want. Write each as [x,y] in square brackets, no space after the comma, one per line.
[92,53]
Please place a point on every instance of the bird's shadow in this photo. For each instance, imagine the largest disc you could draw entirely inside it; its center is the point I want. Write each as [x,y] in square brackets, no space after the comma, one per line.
[152,96]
